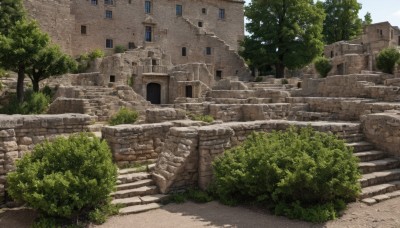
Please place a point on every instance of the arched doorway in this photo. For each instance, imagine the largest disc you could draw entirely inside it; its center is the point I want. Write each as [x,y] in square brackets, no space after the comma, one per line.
[153,93]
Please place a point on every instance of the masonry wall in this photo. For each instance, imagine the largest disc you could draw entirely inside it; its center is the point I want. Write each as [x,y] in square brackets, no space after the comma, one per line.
[19,134]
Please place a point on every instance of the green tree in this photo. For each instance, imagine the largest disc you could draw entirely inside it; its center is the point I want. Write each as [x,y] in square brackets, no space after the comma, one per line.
[19,49]
[342,21]
[50,61]
[284,33]
[11,11]
[387,59]
[367,19]
[323,66]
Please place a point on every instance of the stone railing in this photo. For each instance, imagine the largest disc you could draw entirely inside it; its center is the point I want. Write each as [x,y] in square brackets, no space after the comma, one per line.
[19,134]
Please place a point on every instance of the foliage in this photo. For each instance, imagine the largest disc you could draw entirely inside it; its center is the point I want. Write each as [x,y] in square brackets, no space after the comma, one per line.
[204,118]
[95,54]
[50,61]
[119,49]
[99,215]
[64,177]
[124,116]
[85,59]
[19,49]
[284,81]
[387,59]
[258,79]
[46,222]
[34,103]
[283,33]
[299,173]
[342,21]
[3,73]
[323,66]
[11,11]
[367,19]
[195,195]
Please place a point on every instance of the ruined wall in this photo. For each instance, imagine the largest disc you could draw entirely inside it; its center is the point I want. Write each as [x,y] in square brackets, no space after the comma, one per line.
[19,134]
[55,18]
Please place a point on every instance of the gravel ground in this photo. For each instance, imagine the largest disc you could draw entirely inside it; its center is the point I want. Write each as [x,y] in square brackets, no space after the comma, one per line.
[213,214]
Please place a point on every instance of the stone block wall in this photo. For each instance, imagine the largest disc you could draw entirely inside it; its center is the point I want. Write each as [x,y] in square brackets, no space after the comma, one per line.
[19,134]
[158,115]
[69,105]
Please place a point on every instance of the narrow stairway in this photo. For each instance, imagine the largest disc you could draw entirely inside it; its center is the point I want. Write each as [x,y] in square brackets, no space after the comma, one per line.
[136,192]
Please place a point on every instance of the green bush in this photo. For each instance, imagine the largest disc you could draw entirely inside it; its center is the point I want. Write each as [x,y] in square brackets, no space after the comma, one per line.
[258,79]
[204,118]
[387,59]
[194,195]
[124,116]
[323,66]
[66,177]
[97,53]
[119,49]
[84,60]
[299,173]
[99,215]
[284,81]
[34,103]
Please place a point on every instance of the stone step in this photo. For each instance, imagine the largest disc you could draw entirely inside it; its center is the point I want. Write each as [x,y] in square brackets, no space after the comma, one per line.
[352,138]
[138,208]
[380,198]
[129,170]
[361,146]
[145,190]
[136,184]
[138,200]
[380,177]
[380,189]
[131,177]
[379,165]
[371,155]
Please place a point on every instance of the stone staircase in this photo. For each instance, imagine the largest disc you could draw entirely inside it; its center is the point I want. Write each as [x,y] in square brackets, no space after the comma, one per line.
[136,192]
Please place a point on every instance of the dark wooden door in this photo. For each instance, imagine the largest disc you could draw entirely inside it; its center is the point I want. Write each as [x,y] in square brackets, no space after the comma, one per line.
[154,93]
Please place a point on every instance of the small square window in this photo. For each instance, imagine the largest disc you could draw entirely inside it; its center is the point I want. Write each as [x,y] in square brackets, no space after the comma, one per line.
[208,50]
[200,24]
[109,43]
[204,11]
[178,10]
[109,2]
[131,45]
[221,14]
[147,7]
[109,14]
[112,78]
[130,1]
[94,2]
[83,29]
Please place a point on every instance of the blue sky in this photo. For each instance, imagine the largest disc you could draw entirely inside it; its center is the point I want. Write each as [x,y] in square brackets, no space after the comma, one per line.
[381,10]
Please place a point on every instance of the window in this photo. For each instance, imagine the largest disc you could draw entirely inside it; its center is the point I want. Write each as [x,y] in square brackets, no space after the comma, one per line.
[109,43]
[83,29]
[147,7]
[94,2]
[148,33]
[130,1]
[109,2]
[109,14]
[204,11]
[221,14]
[218,74]
[112,78]
[200,24]
[178,10]
[208,50]
[189,91]
[184,51]
[131,45]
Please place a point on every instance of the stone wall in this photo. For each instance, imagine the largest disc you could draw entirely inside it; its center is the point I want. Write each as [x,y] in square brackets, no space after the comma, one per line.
[383,129]
[69,105]
[19,134]
[158,115]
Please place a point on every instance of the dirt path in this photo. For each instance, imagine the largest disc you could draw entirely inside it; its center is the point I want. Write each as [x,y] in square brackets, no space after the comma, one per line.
[385,215]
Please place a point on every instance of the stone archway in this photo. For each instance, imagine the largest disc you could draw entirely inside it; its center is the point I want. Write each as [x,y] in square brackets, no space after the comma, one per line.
[153,93]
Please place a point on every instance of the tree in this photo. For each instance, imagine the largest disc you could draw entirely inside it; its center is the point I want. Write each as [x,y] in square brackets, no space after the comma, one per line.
[323,66]
[367,19]
[342,22]
[50,61]
[19,49]
[387,59]
[11,11]
[284,33]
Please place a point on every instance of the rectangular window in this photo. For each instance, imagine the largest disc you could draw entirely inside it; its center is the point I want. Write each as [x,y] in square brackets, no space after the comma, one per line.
[148,34]
[184,51]
[208,50]
[94,2]
[109,2]
[109,43]
[131,45]
[178,10]
[204,11]
[109,14]
[147,7]
[221,14]
[200,24]
[218,74]
[83,29]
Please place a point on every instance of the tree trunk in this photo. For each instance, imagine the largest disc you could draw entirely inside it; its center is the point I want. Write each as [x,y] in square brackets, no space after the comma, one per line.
[35,85]
[280,70]
[20,83]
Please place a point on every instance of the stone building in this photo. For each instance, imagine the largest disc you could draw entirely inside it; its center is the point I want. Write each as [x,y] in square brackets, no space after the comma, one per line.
[175,48]
[352,57]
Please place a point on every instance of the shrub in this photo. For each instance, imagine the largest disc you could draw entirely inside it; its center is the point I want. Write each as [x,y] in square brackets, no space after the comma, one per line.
[119,49]
[258,79]
[204,118]
[34,103]
[284,81]
[66,177]
[84,60]
[299,173]
[97,53]
[124,116]
[323,66]
[387,59]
